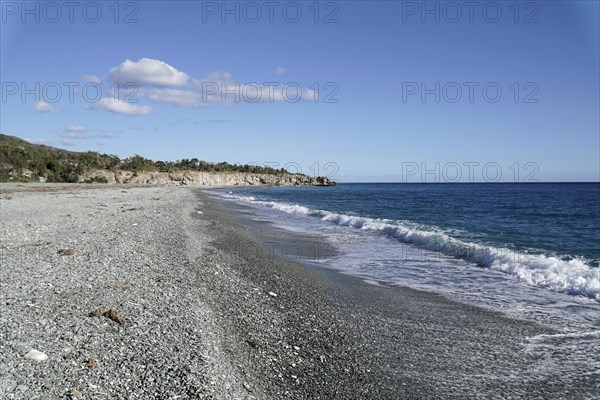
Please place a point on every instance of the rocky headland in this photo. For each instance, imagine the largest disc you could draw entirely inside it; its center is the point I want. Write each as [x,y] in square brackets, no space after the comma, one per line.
[196,178]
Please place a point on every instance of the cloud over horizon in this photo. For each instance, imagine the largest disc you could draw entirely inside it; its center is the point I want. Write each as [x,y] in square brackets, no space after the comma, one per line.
[160,82]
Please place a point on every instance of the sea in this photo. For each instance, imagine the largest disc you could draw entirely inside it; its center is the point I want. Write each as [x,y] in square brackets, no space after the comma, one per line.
[529,250]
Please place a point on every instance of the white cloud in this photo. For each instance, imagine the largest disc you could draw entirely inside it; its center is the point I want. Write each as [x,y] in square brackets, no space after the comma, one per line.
[148,72]
[136,128]
[37,141]
[92,79]
[42,106]
[220,87]
[176,97]
[108,104]
[229,92]
[171,86]
[75,128]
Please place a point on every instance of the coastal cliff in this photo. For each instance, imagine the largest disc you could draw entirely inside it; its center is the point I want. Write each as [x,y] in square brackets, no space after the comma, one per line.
[196,178]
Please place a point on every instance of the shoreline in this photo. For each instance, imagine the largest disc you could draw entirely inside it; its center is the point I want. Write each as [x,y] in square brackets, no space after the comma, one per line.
[422,344]
[13,187]
[211,313]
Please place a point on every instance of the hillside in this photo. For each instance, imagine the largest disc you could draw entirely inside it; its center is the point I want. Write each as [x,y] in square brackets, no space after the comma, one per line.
[21,161]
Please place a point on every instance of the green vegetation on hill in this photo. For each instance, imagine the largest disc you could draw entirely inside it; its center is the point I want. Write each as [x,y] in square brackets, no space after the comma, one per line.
[21,161]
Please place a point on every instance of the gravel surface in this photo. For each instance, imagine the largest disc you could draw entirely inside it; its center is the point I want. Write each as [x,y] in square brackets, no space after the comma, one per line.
[120,292]
[152,293]
[68,252]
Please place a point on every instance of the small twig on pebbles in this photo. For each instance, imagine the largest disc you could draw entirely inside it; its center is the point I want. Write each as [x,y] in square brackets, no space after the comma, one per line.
[110,314]
[65,252]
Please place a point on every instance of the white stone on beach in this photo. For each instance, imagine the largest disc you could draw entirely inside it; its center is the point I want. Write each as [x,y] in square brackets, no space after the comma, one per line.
[36,355]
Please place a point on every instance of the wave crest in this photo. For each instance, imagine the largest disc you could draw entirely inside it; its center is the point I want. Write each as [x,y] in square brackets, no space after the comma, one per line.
[574,277]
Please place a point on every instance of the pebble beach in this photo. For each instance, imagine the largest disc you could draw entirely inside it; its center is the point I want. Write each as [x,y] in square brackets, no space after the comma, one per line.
[137,292]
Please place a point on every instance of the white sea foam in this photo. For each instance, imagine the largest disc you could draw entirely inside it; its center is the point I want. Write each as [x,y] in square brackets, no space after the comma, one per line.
[574,276]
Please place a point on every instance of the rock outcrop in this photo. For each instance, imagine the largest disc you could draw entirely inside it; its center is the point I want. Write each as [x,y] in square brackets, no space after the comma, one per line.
[195,178]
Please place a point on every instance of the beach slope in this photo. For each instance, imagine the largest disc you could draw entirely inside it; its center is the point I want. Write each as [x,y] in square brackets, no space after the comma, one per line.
[156,292]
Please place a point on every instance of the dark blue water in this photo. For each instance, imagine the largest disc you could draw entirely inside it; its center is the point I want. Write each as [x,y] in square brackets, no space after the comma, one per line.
[558,219]
[547,235]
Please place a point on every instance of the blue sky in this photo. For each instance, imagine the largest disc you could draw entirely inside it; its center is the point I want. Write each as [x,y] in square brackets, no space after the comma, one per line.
[404,94]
